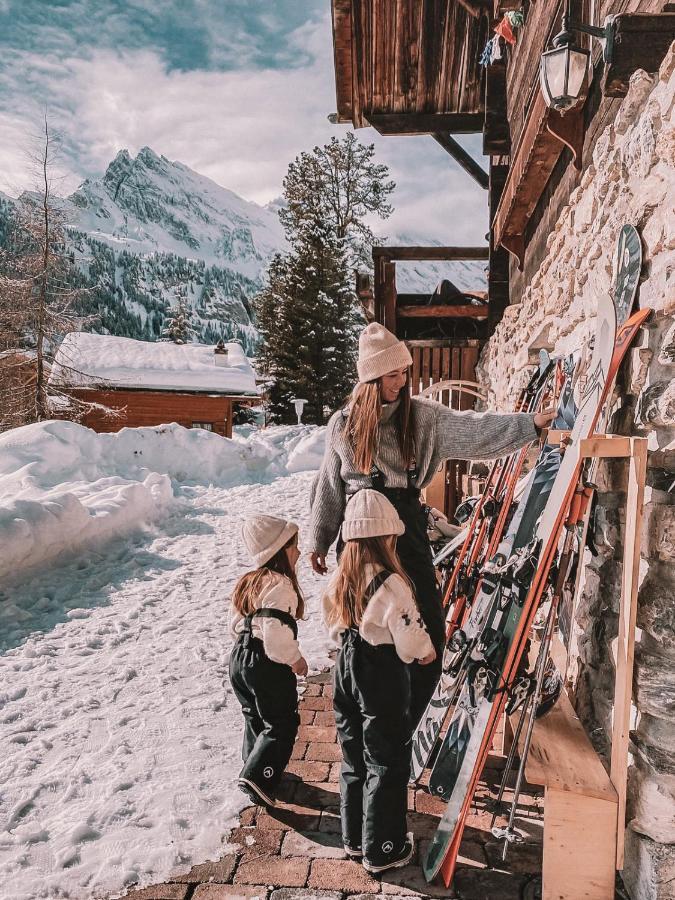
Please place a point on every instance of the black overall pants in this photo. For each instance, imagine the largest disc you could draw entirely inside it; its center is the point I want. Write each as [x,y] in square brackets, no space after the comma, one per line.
[414,552]
[268,695]
[371,693]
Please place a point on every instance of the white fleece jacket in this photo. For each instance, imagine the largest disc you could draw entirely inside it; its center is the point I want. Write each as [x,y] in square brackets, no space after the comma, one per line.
[277,638]
[390,617]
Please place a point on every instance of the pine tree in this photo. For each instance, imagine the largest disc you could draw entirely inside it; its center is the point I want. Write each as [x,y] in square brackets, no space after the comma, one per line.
[339,184]
[307,313]
[178,328]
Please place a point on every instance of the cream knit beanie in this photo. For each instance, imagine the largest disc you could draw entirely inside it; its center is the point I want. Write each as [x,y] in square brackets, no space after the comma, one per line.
[370,514]
[265,535]
[380,352]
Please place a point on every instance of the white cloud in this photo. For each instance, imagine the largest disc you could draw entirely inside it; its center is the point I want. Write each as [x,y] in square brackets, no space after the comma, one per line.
[241,128]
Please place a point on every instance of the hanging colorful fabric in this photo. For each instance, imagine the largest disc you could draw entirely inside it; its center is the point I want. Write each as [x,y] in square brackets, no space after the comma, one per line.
[516,18]
[496,49]
[504,29]
[486,55]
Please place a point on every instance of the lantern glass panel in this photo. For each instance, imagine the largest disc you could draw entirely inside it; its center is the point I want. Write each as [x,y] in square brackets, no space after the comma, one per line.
[553,69]
[578,62]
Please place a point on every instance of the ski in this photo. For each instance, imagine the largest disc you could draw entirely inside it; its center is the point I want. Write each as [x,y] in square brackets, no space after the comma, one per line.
[478,638]
[491,501]
[627,272]
[526,584]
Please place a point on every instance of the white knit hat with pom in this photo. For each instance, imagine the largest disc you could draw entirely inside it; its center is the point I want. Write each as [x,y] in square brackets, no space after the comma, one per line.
[265,535]
[370,514]
[380,352]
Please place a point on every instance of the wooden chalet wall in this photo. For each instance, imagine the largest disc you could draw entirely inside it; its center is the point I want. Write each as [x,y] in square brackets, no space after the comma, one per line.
[542,23]
[435,361]
[149,408]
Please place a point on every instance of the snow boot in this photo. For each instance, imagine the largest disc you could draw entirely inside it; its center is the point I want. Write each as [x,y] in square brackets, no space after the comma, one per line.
[255,793]
[395,861]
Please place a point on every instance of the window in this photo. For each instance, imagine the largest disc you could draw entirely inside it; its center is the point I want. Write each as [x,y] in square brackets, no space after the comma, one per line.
[207,426]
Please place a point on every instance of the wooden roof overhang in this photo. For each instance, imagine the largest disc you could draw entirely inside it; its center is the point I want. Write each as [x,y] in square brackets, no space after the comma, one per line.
[410,66]
[544,137]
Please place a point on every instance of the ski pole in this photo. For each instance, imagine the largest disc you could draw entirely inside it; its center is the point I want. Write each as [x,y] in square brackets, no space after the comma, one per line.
[508,833]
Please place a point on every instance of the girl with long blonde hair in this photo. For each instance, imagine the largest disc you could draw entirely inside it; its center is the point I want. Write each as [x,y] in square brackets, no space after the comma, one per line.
[265,659]
[387,440]
[370,610]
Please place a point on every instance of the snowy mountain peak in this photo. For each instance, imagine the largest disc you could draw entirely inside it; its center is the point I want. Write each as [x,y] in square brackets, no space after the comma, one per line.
[163,233]
[161,206]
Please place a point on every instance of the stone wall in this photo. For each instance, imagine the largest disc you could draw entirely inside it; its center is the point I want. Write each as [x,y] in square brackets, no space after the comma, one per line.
[631,179]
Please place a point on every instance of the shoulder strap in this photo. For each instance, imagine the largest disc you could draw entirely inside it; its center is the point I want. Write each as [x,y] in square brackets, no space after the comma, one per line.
[284,617]
[375,584]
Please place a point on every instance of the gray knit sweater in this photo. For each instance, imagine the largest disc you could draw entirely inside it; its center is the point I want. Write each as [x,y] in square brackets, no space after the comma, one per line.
[440,433]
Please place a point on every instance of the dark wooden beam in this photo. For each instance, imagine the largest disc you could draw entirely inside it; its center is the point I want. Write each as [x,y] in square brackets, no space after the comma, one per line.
[443,312]
[498,267]
[475,8]
[389,296]
[421,254]
[496,132]
[427,123]
[541,143]
[641,41]
[467,162]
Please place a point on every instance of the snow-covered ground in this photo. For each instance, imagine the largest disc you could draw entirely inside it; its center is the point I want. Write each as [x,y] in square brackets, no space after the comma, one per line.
[63,487]
[119,733]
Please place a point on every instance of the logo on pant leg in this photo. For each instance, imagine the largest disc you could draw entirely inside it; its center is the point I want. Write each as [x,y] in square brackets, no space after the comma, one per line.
[387,847]
[268,771]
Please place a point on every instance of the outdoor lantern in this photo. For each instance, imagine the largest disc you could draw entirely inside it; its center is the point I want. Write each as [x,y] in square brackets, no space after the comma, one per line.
[562,70]
[562,73]
[299,406]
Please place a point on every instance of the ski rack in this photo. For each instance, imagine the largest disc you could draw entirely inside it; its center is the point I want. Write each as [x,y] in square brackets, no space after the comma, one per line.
[584,806]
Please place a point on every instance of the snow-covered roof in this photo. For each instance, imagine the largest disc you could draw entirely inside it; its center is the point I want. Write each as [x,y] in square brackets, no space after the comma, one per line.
[126,363]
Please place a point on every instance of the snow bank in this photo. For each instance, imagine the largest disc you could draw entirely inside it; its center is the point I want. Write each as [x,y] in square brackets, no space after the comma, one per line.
[63,486]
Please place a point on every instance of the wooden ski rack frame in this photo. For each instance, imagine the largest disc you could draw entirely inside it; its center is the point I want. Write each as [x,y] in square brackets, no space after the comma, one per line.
[584,806]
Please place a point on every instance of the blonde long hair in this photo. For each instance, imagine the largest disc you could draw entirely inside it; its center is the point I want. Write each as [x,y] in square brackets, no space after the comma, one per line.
[348,593]
[363,422]
[248,588]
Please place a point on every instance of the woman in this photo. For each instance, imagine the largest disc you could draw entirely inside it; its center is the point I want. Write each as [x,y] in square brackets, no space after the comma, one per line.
[394,443]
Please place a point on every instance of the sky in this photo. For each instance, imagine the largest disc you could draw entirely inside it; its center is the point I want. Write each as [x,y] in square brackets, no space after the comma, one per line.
[235,89]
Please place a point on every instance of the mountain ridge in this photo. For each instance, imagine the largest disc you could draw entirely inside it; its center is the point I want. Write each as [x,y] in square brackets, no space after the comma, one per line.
[152,231]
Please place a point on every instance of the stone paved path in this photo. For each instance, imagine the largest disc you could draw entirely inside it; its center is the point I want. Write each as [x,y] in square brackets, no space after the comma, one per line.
[295,852]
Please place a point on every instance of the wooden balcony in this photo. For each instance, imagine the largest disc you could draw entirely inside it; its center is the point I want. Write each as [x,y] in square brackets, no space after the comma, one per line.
[410,66]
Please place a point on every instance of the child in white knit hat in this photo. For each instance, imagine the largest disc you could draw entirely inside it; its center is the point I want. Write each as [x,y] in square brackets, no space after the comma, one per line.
[266,657]
[370,609]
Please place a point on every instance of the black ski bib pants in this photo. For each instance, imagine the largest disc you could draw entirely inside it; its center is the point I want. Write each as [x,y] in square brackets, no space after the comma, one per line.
[371,696]
[268,695]
[414,552]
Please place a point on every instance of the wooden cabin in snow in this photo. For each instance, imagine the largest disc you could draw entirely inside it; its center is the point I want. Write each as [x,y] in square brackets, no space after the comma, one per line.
[145,383]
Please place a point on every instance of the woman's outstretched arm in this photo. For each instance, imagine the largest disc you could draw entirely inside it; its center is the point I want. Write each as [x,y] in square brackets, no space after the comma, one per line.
[470,435]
